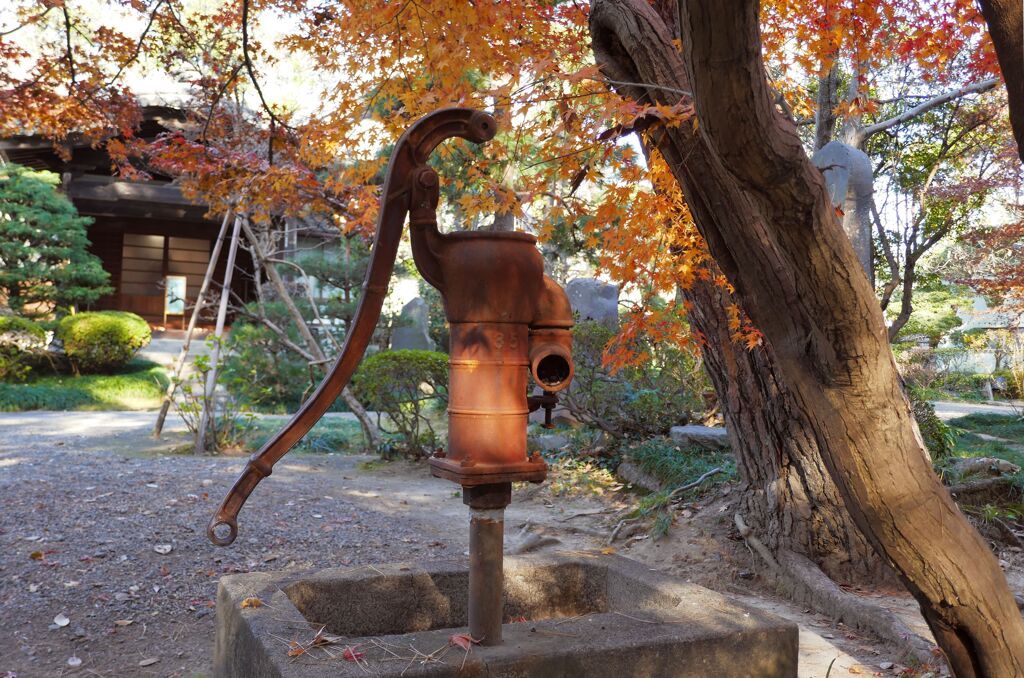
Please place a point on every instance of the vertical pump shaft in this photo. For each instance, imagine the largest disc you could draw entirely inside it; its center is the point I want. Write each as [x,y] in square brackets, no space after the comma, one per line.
[486,543]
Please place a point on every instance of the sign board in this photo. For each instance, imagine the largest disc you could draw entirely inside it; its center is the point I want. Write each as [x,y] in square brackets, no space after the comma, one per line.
[174,294]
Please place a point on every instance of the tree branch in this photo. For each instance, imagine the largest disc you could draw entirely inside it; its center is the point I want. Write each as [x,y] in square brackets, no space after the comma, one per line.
[217,97]
[249,68]
[70,50]
[974,88]
[138,46]
[27,22]
[895,279]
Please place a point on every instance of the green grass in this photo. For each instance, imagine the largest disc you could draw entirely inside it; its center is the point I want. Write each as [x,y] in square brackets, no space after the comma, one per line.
[1008,427]
[675,466]
[139,386]
[331,434]
[1005,426]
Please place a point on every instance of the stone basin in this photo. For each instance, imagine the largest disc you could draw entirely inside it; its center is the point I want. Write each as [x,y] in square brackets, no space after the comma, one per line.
[570,615]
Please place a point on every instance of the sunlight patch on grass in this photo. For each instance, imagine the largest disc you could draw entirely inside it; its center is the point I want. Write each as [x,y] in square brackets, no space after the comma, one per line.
[139,386]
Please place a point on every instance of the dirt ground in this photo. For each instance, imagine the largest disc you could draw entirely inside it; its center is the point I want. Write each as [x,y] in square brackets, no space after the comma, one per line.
[105,569]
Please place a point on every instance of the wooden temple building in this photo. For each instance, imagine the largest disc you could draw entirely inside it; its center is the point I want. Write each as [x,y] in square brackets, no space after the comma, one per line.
[148,236]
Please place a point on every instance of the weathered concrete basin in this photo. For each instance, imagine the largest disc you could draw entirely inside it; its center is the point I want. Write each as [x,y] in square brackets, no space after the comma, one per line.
[585,615]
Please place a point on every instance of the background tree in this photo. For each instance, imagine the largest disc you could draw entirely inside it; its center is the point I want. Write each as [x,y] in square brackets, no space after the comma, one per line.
[44,260]
[764,211]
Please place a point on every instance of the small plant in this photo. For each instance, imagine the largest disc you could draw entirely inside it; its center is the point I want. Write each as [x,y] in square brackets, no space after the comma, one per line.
[261,371]
[103,341]
[939,437]
[638,400]
[403,385]
[684,472]
[21,342]
[230,421]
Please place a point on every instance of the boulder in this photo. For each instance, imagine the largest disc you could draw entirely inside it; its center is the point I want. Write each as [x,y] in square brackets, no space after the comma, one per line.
[708,437]
[593,299]
[634,475]
[549,441]
[413,331]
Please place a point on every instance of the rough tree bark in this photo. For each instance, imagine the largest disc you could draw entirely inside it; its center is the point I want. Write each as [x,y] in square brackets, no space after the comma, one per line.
[764,211]
[1005,20]
[789,500]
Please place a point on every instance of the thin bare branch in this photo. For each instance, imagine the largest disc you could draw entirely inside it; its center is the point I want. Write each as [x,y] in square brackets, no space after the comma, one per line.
[28,22]
[70,49]
[252,71]
[935,102]
[138,46]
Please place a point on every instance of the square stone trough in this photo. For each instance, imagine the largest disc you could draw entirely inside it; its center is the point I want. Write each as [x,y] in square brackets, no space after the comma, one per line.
[571,615]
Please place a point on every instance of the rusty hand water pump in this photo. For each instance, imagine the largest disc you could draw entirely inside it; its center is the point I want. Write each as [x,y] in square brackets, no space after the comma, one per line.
[508,319]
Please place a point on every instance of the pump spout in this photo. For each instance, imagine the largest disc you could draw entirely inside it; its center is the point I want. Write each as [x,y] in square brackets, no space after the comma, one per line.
[410,188]
[551,339]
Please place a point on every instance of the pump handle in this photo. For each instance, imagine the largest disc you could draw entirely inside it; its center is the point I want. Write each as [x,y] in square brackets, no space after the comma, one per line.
[408,159]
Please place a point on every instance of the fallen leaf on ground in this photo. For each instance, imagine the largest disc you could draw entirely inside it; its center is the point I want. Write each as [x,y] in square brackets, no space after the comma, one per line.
[149,662]
[295,649]
[463,640]
[352,655]
[608,550]
[251,601]
[61,620]
[123,622]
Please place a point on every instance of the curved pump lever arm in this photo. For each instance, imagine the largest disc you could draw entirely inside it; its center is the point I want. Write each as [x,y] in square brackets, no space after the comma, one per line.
[407,162]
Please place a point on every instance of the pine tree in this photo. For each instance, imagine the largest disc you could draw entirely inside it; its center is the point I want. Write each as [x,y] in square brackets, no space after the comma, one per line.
[45,265]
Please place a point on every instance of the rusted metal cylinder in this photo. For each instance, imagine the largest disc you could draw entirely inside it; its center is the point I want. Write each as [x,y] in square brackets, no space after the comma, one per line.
[486,578]
[487,393]
[486,542]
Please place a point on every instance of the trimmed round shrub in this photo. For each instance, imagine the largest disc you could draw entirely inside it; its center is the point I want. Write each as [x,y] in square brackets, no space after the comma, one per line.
[21,341]
[402,384]
[103,341]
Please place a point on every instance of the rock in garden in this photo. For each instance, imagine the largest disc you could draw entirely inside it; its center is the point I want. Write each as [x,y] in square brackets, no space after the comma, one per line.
[592,299]
[413,331]
[634,475]
[709,437]
[549,441]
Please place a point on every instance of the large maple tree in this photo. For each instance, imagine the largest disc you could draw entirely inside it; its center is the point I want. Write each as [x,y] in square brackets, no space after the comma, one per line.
[702,213]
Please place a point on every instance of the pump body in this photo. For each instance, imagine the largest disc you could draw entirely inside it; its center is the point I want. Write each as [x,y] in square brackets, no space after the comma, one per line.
[502,311]
[507,319]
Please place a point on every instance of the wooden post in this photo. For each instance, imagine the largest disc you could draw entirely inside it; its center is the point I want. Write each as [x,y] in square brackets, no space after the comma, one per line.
[208,405]
[179,365]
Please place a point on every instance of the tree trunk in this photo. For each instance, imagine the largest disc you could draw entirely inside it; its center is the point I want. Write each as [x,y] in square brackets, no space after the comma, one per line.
[788,498]
[764,211]
[1005,20]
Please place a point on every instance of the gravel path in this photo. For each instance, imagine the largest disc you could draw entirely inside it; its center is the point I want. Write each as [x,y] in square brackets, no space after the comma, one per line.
[105,568]
[89,503]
